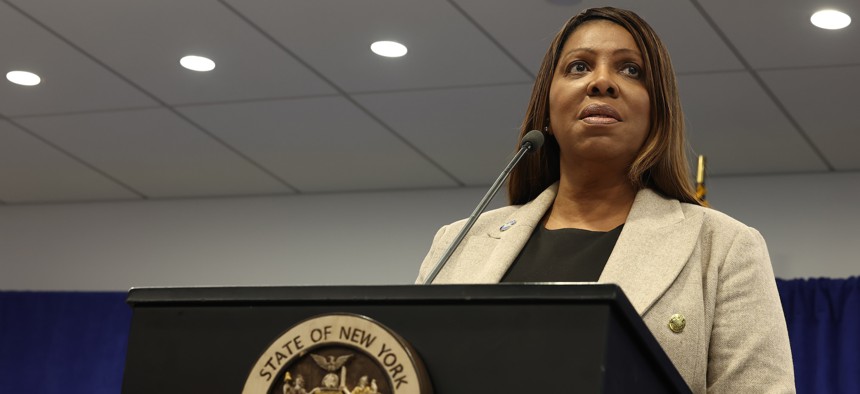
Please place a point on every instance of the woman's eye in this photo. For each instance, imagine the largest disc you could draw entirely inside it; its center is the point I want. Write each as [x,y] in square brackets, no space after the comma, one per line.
[577,67]
[632,70]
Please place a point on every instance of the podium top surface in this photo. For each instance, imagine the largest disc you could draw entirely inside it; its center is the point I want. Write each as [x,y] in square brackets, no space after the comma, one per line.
[546,292]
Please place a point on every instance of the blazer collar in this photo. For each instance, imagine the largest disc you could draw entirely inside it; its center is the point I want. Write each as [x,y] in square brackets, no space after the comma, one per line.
[655,244]
[511,240]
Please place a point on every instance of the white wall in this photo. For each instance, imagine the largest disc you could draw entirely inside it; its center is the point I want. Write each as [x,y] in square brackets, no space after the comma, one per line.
[810,222]
[361,238]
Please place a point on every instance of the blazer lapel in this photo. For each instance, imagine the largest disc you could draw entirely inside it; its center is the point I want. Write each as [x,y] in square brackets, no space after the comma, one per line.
[655,244]
[511,236]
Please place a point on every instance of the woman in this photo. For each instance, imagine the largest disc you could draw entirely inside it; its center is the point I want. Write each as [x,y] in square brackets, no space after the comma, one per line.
[608,198]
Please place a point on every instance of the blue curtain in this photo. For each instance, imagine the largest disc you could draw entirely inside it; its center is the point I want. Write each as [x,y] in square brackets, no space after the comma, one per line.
[62,342]
[823,317]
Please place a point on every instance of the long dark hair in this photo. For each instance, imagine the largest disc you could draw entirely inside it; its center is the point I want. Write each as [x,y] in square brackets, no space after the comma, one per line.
[661,163]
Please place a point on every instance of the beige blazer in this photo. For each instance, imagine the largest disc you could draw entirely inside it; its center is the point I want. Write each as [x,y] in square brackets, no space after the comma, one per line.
[671,258]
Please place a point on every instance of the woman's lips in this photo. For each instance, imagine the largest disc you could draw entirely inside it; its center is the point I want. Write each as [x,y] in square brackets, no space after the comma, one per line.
[599,119]
[599,114]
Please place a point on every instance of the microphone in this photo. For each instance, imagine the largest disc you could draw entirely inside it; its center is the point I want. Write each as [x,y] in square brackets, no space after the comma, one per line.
[532,141]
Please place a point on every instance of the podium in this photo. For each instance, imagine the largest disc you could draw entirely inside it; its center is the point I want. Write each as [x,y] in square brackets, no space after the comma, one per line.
[503,338]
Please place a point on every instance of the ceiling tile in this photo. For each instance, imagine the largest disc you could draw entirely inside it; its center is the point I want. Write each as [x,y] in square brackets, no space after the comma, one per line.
[320,144]
[731,120]
[334,36]
[155,152]
[32,171]
[144,40]
[471,132]
[824,101]
[70,80]
[778,33]
[526,28]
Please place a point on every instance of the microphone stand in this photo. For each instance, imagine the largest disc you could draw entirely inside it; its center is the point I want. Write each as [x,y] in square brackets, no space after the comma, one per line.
[532,141]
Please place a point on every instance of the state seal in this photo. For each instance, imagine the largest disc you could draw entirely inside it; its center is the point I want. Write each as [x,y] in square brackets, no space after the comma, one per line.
[338,353]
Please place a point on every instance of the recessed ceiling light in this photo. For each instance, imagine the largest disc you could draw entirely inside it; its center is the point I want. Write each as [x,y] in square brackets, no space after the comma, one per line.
[830,19]
[388,48]
[197,63]
[25,78]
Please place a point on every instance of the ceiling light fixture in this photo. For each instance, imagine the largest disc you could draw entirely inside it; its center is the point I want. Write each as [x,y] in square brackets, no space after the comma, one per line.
[197,63]
[830,19]
[24,78]
[388,48]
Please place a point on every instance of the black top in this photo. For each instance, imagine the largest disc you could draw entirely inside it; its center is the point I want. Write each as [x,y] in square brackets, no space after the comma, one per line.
[564,255]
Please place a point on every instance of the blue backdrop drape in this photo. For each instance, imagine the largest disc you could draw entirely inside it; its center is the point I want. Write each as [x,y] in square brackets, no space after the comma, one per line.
[64,342]
[59,342]
[823,317]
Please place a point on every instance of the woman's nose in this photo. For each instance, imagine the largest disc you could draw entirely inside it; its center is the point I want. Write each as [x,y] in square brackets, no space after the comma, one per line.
[602,84]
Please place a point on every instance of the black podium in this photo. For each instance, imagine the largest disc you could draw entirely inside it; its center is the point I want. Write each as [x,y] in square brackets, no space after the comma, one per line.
[507,338]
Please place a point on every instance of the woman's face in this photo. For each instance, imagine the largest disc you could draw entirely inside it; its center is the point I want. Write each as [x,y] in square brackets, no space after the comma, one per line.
[598,102]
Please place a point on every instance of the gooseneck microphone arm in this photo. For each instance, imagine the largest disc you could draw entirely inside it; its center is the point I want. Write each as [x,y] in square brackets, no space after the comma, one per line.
[532,141]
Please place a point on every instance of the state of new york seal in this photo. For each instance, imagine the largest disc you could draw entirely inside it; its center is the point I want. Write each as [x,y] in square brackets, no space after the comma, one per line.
[338,353]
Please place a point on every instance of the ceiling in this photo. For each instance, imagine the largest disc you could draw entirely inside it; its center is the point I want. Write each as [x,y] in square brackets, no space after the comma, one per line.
[299,104]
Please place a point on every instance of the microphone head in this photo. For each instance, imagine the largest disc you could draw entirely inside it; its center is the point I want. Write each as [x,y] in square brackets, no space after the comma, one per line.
[533,140]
